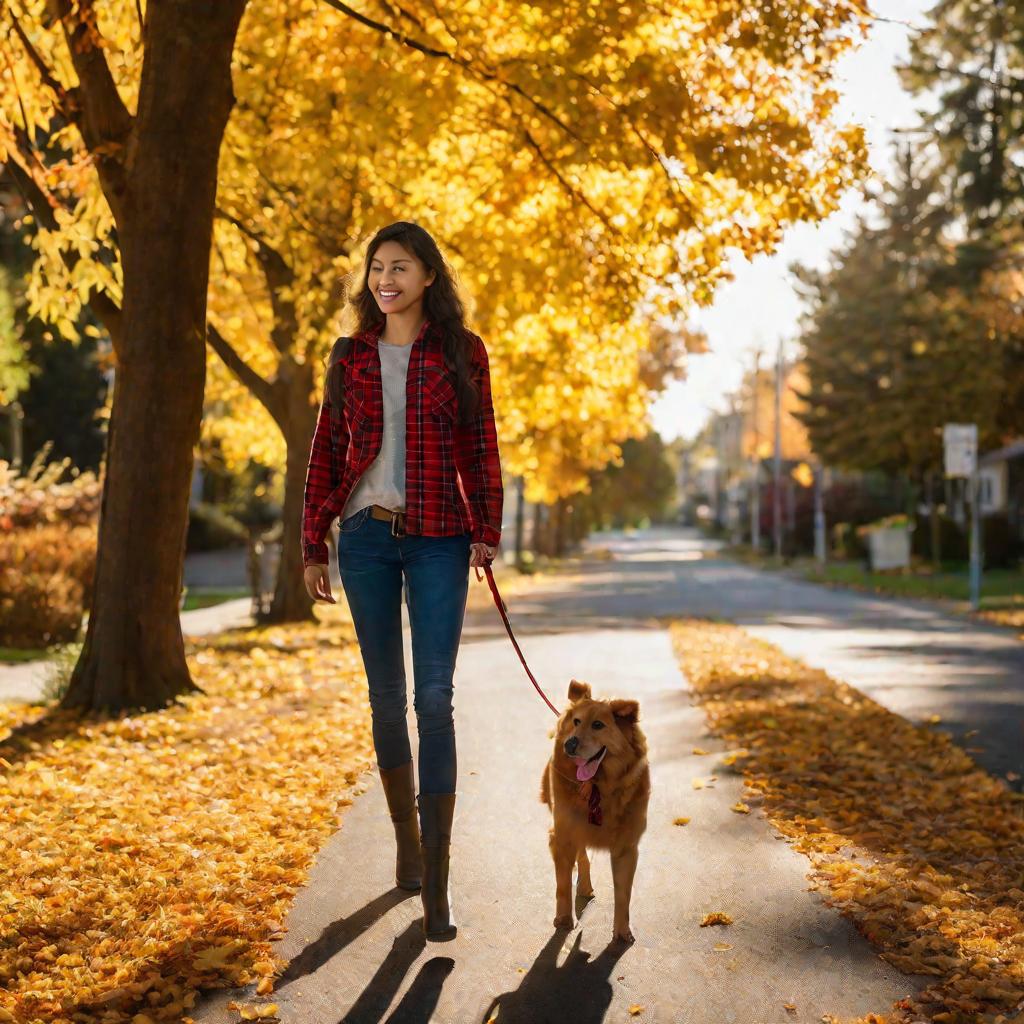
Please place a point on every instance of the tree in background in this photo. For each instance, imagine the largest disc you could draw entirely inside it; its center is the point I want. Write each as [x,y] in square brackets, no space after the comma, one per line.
[971,57]
[890,354]
[896,347]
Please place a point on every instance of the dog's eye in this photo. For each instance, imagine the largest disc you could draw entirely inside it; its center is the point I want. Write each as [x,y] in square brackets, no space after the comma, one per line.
[597,724]
[575,721]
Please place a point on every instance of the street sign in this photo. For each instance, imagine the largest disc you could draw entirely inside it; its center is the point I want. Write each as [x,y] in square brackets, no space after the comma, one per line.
[960,447]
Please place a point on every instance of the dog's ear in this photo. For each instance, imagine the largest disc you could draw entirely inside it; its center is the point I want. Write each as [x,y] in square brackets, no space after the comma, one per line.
[578,690]
[626,712]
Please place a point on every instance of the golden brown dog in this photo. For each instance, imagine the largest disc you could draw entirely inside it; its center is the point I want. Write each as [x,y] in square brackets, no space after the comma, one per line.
[597,784]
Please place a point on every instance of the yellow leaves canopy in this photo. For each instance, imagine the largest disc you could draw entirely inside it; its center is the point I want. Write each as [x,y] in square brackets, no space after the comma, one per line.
[583,164]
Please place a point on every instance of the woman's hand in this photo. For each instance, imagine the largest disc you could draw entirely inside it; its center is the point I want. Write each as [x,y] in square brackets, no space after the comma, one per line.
[318,583]
[481,554]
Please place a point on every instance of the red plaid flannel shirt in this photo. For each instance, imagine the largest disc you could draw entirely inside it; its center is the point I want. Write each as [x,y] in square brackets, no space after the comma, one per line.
[452,472]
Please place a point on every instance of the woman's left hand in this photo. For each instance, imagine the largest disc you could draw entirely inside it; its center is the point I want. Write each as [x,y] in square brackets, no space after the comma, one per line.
[481,554]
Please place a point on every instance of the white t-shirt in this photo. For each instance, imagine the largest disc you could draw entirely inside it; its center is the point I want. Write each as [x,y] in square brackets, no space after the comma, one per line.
[383,483]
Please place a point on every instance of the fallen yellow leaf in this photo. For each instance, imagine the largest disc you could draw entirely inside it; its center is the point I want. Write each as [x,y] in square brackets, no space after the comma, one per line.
[716,917]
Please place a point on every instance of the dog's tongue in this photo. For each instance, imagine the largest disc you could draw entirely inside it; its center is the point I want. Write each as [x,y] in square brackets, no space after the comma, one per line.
[588,769]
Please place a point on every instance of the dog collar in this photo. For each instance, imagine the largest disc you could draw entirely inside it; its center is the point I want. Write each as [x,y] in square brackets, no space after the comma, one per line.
[590,794]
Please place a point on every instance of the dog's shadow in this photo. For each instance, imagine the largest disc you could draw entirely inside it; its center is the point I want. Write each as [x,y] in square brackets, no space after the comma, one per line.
[547,988]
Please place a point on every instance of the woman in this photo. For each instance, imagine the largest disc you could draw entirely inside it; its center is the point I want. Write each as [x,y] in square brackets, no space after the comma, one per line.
[405,453]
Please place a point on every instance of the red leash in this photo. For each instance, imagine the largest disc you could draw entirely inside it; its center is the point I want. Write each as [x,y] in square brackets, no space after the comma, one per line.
[504,617]
[588,793]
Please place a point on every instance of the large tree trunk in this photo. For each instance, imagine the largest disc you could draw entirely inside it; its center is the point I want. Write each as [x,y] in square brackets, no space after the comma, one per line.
[133,655]
[291,602]
[520,522]
[536,533]
[559,528]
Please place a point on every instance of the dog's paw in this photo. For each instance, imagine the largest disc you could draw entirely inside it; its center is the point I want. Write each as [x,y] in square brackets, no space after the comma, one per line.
[563,921]
[623,935]
[585,894]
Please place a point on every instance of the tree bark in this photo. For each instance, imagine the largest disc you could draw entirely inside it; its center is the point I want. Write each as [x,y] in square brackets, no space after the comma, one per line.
[933,519]
[133,656]
[559,527]
[520,522]
[291,602]
[536,534]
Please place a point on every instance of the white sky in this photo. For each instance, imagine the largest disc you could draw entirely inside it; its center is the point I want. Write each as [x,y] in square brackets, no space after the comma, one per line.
[761,305]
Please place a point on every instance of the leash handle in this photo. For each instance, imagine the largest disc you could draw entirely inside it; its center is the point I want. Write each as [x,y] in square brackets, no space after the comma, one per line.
[503,611]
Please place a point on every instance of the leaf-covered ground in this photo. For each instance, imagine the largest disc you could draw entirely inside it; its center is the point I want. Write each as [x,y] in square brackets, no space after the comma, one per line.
[909,838]
[146,857]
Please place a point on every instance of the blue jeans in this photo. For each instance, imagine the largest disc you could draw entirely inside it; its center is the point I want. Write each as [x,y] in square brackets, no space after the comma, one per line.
[371,563]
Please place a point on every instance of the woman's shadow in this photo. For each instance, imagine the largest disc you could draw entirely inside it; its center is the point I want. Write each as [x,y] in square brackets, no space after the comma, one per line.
[542,997]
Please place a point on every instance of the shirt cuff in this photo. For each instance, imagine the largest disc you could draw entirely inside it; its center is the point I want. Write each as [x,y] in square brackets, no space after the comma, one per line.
[485,534]
[315,554]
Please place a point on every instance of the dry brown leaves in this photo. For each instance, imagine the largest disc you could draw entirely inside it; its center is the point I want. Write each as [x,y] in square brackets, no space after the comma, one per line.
[1011,616]
[147,857]
[908,836]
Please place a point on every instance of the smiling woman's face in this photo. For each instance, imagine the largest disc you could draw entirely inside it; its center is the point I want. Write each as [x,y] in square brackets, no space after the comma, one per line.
[397,278]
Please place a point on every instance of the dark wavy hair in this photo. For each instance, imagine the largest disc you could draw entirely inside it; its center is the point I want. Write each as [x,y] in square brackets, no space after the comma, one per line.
[441,304]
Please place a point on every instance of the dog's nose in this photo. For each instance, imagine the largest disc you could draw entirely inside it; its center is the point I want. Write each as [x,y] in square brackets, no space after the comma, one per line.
[571,744]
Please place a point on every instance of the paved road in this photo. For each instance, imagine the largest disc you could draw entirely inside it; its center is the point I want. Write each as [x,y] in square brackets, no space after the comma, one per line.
[910,656]
[354,942]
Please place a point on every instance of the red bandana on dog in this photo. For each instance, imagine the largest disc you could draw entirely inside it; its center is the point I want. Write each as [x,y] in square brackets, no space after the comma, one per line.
[586,769]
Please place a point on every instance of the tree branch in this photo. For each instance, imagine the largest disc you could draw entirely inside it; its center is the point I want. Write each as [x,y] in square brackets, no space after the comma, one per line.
[278,275]
[65,102]
[105,122]
[260,387]
[466,65]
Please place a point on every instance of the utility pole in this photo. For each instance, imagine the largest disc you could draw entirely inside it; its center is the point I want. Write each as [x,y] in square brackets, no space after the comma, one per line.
[819,512]
[777,487]
[755,469]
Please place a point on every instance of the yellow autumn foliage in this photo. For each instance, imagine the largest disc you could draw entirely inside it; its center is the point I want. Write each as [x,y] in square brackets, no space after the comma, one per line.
[589,168]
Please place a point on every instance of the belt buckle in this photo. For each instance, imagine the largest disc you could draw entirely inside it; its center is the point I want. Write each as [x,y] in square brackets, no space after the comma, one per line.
[395,526]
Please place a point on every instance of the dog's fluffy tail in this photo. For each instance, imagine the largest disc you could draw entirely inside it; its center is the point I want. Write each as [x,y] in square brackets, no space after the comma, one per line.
[545,785]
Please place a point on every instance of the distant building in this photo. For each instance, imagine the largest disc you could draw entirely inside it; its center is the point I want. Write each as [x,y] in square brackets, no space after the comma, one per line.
[1001,480]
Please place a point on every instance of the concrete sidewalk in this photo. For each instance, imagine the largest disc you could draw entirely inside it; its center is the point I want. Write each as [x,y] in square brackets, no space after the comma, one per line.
[354,944]
[25,681]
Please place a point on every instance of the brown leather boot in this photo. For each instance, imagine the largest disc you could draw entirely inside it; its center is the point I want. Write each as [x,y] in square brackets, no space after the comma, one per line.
[436,813]
[400,789]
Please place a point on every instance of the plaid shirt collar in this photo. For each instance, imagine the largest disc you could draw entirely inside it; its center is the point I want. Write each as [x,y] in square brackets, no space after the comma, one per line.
[372,335]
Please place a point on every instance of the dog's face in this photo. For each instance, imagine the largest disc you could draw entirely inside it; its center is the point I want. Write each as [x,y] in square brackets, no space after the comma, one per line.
[591,730]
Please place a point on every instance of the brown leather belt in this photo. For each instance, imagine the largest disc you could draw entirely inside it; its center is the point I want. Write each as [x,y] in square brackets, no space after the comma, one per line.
[396,518]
